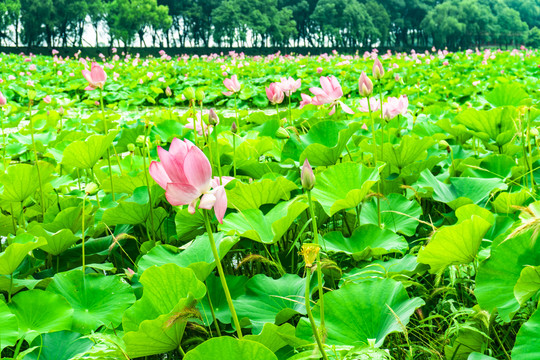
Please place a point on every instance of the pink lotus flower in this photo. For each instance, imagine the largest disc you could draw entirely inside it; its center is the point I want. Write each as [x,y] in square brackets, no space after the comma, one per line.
[11,77]
[330,93]
[374,104]
[96,77]
[378,70]
[275,94]
[395,106]
[289,85]
[365,85]
[186,175]
[47,99]
[319,70]
[32,67]
[200,125]
[3,100]
[55,52]
[232,85]
[306,100]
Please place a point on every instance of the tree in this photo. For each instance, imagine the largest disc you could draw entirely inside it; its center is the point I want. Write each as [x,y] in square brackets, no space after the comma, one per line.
[9,15]
[37,19]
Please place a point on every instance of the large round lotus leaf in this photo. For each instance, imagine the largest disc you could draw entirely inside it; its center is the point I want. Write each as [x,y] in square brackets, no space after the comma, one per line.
[397,214]
[9,327]
[85,154]
[22,181]
[57,242]
[365,242]
[96,299]
[266,228]
[266,191]
[358,312]
[60,345]
[162,334]
[406,266]
[163,288]
[528,284]
[344,186]
[40,312]
[227,348]
[478,356]
[498,275]
[510,94]
[197,256]
[409,150]
[15,253]
[527,346]
[454,245]
[496,125]
[271,300]
[236,286]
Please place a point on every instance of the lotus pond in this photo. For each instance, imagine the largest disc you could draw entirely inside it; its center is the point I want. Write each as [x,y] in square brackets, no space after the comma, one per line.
[298,219]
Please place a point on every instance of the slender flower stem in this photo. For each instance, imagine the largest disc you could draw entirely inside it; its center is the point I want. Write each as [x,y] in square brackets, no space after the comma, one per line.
[319,267]
[193,118]
[236,110]
[375,159]
[222,274]
[290,110]
[36,159]
[382,120]
[82,244]
[150,202]
[218,159]
[310,316]
[106,133]
[3,139]
[234,153]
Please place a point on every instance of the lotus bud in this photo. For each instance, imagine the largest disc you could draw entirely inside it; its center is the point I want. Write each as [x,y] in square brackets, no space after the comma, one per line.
[32,94]
[129,273]
[3,100]
[234,128]
[307,177]
[443,144]
[199,94]
[213,118]
[378,70]
[282,133]
[168,91]
[534,131]
[189,93]
[91,188]
[61,111]
[131,147]
[365,85]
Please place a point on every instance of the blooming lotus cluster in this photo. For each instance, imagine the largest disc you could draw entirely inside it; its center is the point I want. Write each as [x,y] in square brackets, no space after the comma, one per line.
[395,106]
[275,94]
[329,93]
[186,175]
[96,77]
[289,85]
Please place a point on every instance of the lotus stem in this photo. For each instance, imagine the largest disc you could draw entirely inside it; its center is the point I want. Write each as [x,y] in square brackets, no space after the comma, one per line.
[375,159]
[222,274]
[3,140]
[36,160]
[310,315]
[319,267]
[108,151]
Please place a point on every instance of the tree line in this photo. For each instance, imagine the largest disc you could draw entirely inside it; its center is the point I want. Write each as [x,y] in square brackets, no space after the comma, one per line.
[264,23]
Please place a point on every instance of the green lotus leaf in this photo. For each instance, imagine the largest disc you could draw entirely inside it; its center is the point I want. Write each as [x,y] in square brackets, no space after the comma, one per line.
[96,299]
[352,317]
[459,243]
[383,269]
[505,202]
[162,334]
[60,345]
[478,356]
[163,288]
[460,191]
[528,284]
[409,150]
[226,348]
[15,253]
[277,337]
[498,275]
[510,94]
[40,312]
[270,300]
[9,326]
[188,226]
[85,154]
[237,288]
[398,214]
[365,242]
[527,342]
[197,255]
[106,347]
[322,145]
[22,181]
[269,228]
[266,191]
[129,213]
[57,242]
[344,186]
[496,125]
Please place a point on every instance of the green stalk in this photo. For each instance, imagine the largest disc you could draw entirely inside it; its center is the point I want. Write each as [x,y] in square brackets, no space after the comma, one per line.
[3,139]
[236,110]
[530,158]
[36,159]
[151,203]
[82,244]
[108,151]
[319,267]
[382,121]
[213,313]
[290,110]
[310,315]
[375,159]
[222,274]
[234,153]
[193,117]
[218,160]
